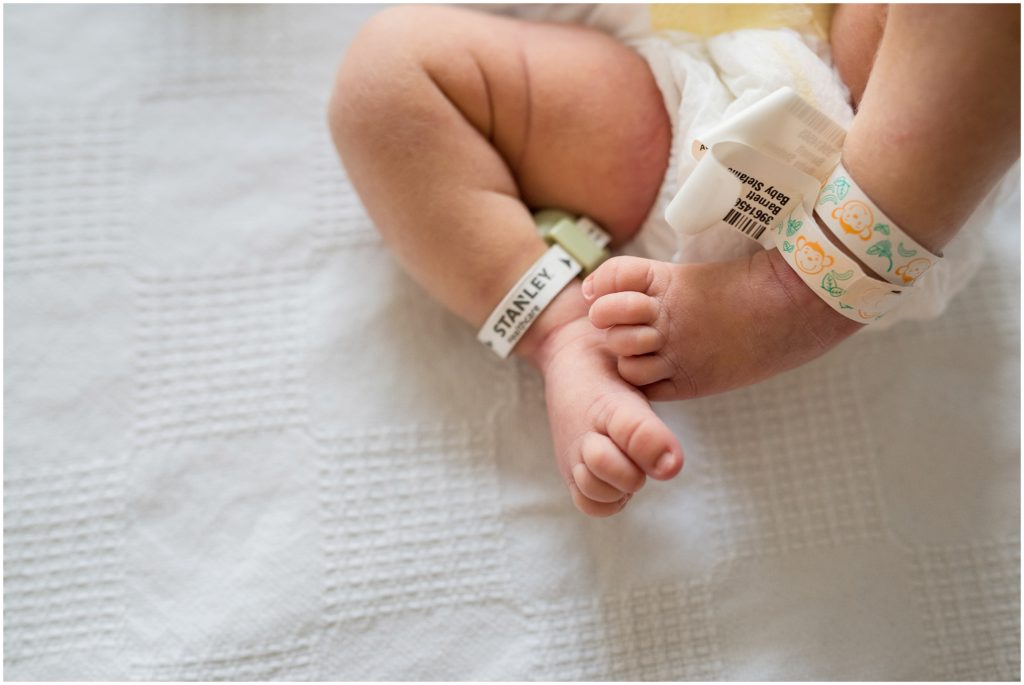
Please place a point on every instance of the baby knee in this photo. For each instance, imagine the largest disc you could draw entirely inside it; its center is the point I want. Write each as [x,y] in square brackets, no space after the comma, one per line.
[399,35]
[394,29]
[368,81]
[385,62]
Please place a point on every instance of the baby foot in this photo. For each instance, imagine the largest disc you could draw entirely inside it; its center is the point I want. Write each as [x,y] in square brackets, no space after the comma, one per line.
[607,438]
[688,330]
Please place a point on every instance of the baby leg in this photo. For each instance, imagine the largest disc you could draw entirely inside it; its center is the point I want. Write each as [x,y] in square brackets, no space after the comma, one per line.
[939,74]
[453,125]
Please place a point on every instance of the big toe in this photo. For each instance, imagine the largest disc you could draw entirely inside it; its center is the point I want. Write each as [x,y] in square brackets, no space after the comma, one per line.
[621,274]
[644,438]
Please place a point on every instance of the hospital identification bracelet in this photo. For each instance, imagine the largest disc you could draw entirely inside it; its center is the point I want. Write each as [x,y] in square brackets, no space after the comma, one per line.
[527,299]
[834,277]
[872,236]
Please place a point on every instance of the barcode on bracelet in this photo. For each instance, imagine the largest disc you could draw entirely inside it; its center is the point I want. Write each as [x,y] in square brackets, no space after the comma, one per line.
[821,124]
[752,227]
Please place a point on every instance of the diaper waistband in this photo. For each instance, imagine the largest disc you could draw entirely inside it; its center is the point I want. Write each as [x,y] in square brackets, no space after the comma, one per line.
[712,19]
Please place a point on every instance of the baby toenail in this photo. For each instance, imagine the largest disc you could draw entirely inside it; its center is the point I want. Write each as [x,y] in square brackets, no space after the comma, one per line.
[588,288]
[665,462]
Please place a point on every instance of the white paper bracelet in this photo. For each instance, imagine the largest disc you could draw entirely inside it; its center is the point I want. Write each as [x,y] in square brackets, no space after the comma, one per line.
[527,299]
[760,175]
[784,126]
[735,186]
[755,166]
[872,236]
[834,277]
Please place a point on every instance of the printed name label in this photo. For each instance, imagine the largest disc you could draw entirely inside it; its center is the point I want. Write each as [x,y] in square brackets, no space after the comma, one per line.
[735,188]
[754,212]
[527,299]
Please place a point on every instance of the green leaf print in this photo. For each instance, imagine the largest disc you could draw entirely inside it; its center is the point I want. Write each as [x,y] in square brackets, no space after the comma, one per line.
[829,285]
[845,276]
[905,252]
[844,306]
[883,248]
[842,187]
[882,228]
[787,246]
[835,191]
[792,226]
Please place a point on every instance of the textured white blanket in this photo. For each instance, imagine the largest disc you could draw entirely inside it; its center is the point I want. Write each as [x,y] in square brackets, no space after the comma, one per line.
[241,444]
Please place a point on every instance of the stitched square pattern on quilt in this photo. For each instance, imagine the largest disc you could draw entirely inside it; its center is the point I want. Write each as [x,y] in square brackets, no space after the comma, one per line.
[218,353]
[812,483]
[286,660]
[65,187]
[203,169]
[410,520]
[63,560]
[970,599]
[221,49]
[662,633]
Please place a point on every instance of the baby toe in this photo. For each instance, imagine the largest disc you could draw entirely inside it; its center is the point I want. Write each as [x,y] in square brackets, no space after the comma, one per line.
[619,274]
[593,487]
[628,341]
[648,442]
[597,509]
[609,464]
[625,308]
[644,370]
[668,390]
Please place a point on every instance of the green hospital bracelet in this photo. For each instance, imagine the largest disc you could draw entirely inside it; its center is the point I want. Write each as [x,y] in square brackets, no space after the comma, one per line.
[581,238]
[576,246]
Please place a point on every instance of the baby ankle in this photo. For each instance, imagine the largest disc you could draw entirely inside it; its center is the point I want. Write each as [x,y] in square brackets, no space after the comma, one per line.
[537,345]
[826,324]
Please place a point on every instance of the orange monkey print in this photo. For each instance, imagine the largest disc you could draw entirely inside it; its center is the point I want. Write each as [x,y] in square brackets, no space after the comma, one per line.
[810,257]
[855,217]
[913,269]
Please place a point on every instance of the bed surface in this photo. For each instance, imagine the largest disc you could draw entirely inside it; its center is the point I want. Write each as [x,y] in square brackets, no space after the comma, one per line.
[241,444]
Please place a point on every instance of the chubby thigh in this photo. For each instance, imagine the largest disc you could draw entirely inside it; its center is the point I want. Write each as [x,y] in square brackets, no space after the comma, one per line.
[575,115]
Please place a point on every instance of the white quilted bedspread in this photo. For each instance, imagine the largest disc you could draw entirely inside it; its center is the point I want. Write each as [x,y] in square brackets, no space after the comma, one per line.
[241,444]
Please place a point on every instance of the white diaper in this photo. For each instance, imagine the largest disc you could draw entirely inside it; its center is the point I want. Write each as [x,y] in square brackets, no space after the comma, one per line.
[706,80]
